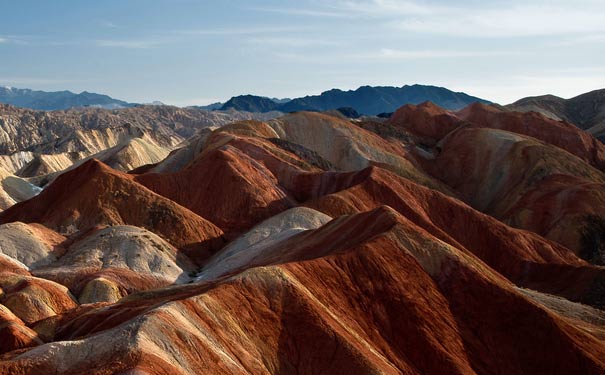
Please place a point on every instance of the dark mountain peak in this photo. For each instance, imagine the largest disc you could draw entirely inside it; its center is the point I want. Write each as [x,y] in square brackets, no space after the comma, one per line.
[372,100]
[251,103]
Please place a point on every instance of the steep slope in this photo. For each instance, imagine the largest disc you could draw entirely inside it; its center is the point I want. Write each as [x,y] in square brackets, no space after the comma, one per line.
[224,185]
[109,263]
[253,161]
[406,316]
[184,154]
[526,183]
[556,133]
[44,164]
[14,189]
[348,147]
[13,162]
[426,121]
[31,244]
[94,194]
[251,248]
[351,251]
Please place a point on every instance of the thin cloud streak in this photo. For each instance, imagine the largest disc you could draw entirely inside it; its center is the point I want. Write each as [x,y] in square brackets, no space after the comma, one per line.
[476,20]
[305,12]
[393,55]
[131,44]
[294,41]
[35,81]
[242,31]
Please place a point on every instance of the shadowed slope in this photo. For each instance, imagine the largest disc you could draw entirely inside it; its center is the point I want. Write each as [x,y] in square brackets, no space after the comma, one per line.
[509,176]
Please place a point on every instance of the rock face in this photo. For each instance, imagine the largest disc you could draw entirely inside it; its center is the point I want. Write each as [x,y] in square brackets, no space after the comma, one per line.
[435,242]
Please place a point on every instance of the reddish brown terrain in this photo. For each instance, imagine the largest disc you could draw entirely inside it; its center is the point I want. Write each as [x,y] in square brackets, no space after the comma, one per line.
[436,242]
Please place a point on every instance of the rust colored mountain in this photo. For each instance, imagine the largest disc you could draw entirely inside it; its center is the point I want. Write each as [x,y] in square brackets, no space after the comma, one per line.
[225,185]
[94,194]
[587,111]
[390,299]
[238,180]
[356,246]
[512,177]
[557,133]
[426,121]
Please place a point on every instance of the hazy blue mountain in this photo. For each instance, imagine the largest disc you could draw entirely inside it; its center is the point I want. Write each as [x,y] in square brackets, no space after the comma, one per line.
[251,103]
[367,100]
[210,107]
[57,100]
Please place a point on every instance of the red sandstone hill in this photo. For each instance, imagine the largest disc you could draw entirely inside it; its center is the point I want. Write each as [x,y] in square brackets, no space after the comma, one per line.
[351,252]
[339,307]
[94,194]
[557,133]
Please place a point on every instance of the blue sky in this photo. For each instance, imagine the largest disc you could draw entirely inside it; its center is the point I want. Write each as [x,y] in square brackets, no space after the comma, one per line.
[186,52]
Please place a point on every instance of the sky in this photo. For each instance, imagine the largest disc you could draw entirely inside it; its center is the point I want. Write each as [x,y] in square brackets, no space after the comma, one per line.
[194,52]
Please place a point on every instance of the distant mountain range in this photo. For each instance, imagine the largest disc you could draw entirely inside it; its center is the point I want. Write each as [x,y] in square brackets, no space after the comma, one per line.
[369,100]
[586,111]
[57,100]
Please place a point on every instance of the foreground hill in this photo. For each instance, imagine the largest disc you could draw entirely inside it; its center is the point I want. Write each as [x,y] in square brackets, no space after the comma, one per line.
[313,243]
[587,111]
[367,100]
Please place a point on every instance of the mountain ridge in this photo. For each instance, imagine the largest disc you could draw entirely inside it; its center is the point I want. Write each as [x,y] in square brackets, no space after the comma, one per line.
[58,100]
[369,100]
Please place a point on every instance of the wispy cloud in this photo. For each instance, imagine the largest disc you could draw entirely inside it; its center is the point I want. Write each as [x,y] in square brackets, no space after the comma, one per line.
[335,13]
[131,43]
[34,81]
[252,30]
[581,39]
[471,19]
[294,41]
[3,40]
[386,55]
[516,21]
[394,54]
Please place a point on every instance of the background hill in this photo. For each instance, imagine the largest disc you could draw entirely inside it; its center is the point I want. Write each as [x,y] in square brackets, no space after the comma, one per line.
[587,111]
[368,100]
[50,101]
